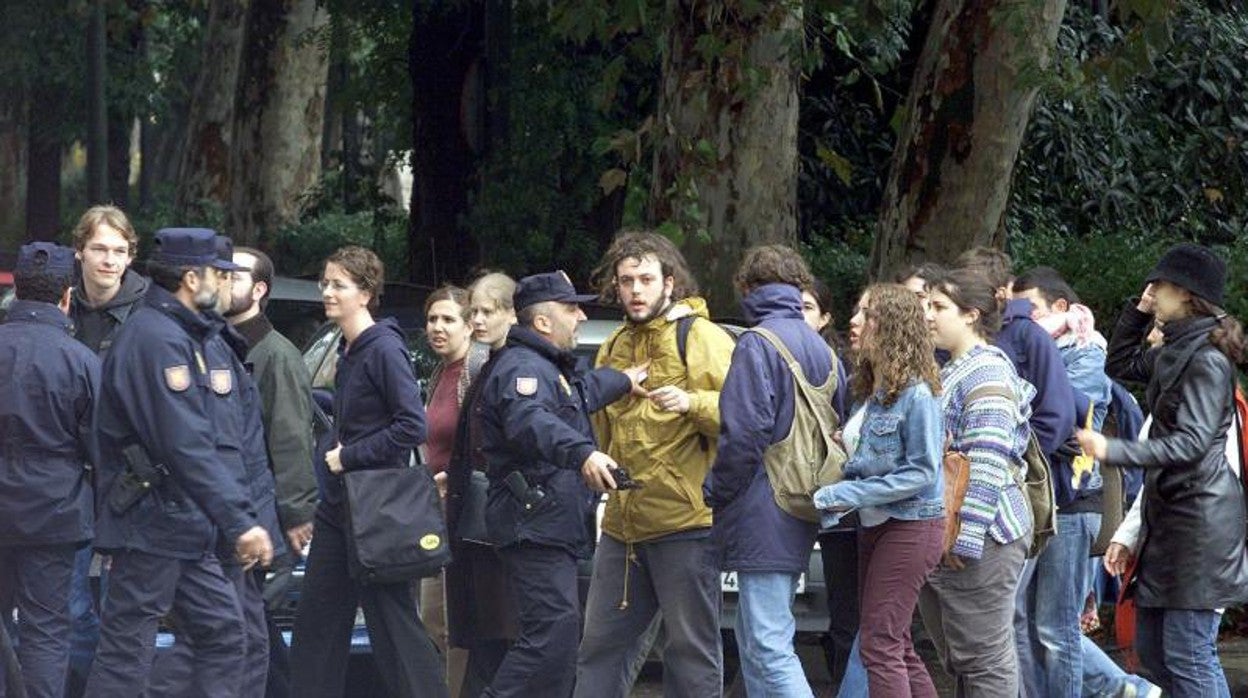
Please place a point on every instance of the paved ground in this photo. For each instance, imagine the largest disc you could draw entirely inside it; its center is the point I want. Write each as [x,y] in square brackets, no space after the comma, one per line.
[1233,652]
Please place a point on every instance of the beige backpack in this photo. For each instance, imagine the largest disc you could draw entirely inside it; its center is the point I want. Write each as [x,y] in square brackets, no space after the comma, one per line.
[808,457]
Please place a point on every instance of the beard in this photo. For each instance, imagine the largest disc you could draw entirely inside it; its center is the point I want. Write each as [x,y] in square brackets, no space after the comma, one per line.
[206,300]
[238,305]
[652,310]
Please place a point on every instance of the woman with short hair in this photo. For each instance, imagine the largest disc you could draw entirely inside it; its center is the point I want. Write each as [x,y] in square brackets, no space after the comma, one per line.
[378,420]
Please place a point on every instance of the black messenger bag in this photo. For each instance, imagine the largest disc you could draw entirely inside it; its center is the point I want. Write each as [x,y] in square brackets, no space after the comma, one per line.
[395,528]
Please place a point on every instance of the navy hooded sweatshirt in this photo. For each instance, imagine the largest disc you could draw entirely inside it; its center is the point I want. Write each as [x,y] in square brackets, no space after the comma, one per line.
[378,413]
[750,532]
[1038,361]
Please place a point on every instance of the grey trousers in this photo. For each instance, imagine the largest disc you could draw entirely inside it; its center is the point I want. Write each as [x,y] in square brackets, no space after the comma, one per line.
[970,615]
[675,578]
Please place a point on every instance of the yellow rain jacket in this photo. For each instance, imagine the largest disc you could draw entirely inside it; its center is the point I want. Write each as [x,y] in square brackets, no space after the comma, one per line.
[668,452]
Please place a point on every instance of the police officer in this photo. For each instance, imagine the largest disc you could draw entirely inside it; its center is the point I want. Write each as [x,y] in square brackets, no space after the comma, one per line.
[47,395]
[174,673]
[171,479]
[538,442]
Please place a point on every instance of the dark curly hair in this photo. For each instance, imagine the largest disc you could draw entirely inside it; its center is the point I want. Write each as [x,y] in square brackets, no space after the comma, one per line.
[639,244]
[896,348]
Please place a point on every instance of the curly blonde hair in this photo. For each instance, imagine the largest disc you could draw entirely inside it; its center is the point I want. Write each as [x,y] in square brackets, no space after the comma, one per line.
[896,348]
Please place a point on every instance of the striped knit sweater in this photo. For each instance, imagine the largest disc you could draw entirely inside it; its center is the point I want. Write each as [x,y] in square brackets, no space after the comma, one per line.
[992,431]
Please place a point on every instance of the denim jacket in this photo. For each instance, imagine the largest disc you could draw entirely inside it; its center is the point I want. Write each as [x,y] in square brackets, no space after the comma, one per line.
[896,470]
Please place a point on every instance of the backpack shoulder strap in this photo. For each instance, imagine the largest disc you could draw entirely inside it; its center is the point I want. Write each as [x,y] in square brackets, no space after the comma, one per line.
[683,326]
[810,393]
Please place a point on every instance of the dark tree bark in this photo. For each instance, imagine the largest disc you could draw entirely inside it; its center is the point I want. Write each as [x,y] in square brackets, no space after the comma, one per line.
[446,40]
[120,129]
[12,167]
[204,169]
[279,111]
[97,106]
[966,113]
[43,164]
[726,144]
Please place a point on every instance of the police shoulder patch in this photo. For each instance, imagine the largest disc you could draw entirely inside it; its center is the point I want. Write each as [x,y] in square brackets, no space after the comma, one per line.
[526,385]
[178,378]
[222,380]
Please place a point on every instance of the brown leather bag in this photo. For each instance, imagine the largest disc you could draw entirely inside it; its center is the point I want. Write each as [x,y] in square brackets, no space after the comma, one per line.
[957,469]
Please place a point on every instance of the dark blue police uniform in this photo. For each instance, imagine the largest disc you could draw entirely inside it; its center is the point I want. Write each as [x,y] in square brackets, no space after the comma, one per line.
[47,393]
[535,411]
[174,672]
[167,389]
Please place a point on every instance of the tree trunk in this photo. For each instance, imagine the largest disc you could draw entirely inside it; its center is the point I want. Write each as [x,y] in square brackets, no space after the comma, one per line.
[120,131]
[966,113]
[279,111]
[43,163]
[204,170]
[12,168]
[446,39]
[725,161]
[97,106]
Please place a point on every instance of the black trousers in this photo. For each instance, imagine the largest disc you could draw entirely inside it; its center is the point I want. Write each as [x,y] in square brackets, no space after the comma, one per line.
[840,572]
[142,589]
[542,661]
[408,662]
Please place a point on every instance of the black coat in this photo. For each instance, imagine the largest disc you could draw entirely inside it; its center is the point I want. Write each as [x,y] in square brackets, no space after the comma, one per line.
[479,603]
[535,408]
[1192,540]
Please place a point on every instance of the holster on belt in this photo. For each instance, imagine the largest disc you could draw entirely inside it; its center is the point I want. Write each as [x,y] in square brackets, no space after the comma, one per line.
[139,477]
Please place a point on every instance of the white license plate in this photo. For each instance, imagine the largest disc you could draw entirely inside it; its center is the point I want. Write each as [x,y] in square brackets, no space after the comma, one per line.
[728,582]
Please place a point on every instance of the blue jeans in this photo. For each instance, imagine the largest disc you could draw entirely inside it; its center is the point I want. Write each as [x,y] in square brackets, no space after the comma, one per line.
[765,627]
[1062,582]
[1103,677]
[85,632]
[1180,649]
[854,684]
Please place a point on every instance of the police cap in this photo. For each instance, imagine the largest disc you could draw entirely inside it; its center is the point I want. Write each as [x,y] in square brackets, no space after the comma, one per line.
[45,258]
[189,247]
[551,286]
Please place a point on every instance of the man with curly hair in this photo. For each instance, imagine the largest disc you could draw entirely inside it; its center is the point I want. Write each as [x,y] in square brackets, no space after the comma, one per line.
[652,556]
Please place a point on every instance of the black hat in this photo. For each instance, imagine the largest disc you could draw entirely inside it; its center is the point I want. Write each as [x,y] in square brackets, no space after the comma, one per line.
[189,247]
[551,286]
[1193,267]
[225,253]
[45,258]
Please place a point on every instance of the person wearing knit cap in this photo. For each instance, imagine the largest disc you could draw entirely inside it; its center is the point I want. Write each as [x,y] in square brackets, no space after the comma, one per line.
[1192,559]
[48,384]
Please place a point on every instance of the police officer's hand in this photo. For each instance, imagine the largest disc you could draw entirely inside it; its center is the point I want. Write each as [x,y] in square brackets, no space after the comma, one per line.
[334,460]
[254,548]
[669,398]
[299,537]
[638,374]
[597,472]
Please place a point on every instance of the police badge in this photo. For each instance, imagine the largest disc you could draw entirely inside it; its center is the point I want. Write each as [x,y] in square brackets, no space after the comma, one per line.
[526,385]
[178,378]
